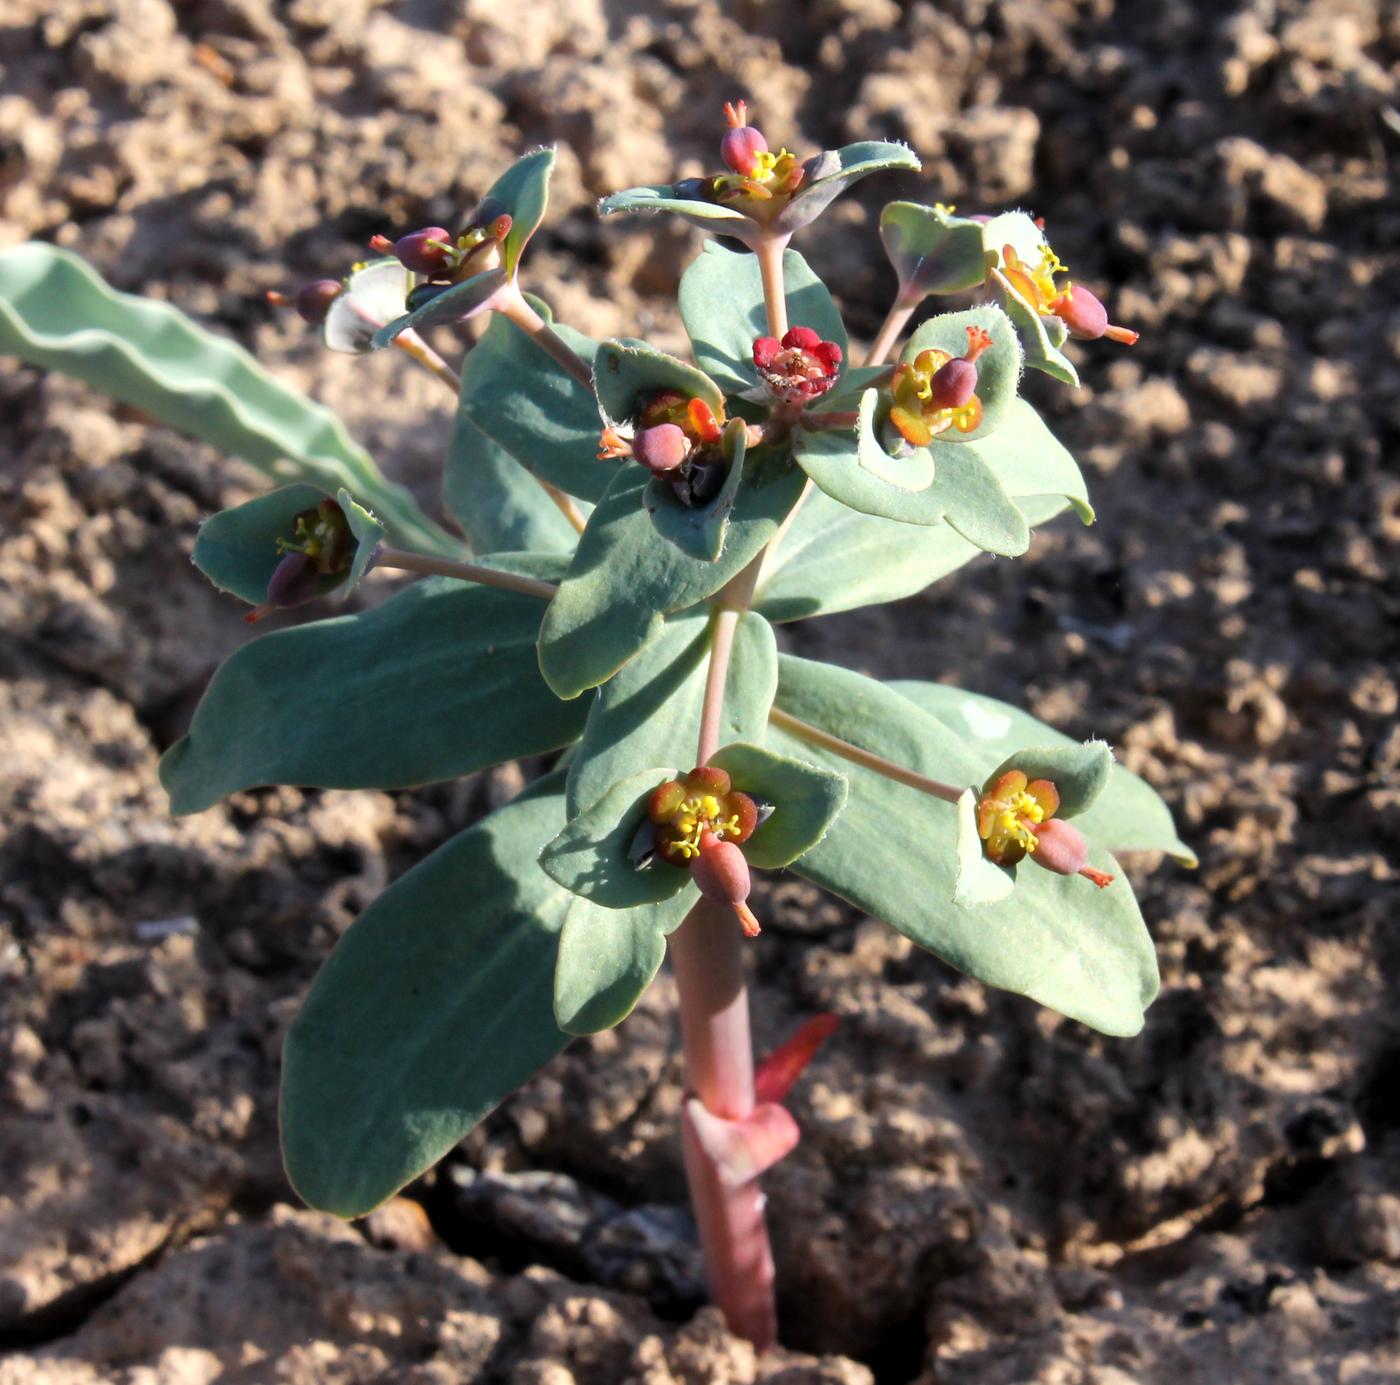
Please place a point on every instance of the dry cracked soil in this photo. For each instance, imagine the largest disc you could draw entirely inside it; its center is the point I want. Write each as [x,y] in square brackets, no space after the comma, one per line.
[985,1194]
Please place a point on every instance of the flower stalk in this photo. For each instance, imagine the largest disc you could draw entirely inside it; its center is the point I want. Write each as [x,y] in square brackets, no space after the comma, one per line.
[430,566]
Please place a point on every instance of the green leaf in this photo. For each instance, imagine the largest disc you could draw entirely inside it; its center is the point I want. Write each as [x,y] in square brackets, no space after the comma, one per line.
[836,559]
[998,367]
[699,530]
[56,312]
[830,173]
[625,372]
[522,399]
[1032,464]
[373,295]
[522,191]
[367,532]
[893,853]
[912,471]
[236,549]
[806,800]
[1079,772]
[434,1007]
[651,708]
[978,880]
[964,490]
[622,582]
[607,959]
[592,853]
[499,504]
[1017,229]
[663,197]
[1129,815]
[721,303]
[478,294]
[439,681]
[1040,346]
[931,250]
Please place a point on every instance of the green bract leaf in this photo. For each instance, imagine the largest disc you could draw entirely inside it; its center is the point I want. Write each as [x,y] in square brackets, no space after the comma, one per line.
[1079,773]
[522,399]
[892,852]
[663,197]
[699,530]
[622,582]
[998,367]
[1040,337]
[806,800]
[607,958]
[592,854]
[911,471]
[721,302]
[57,313]
[1032,464]
[455,304]
[931,250]
[624,373]
[500,504]
[373,295]
[434,1006]
[522,191]
[830,173]
[237,550]
[368,532]
[439,681]
[1129,815]
[1016,229]
[964,490]
[978,880]
[650,709]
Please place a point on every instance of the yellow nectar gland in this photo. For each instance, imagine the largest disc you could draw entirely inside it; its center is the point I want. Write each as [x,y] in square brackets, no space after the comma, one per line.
[685,809]
[1009,811]
[1036,285]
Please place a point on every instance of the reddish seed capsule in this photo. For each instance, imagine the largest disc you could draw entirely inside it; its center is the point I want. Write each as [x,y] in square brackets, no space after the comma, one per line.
[661,448]
[953,384]
[416,253]
[740,149]
[802,339]
[1086,317]
[1059,846]
[765,351]
[313,300]
[722,874]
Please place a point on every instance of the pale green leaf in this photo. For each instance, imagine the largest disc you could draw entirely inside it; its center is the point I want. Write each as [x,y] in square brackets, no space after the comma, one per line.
[435,1005]
[805,797]
[931,250]
[625,373]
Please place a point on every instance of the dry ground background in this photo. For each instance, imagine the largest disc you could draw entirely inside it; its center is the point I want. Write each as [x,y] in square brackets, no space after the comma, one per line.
[986,1195]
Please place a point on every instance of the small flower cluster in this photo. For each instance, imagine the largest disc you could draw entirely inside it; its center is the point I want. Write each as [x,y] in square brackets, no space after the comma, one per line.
[445,260]
[1016,818]
[678,438]
[700,820]
[799,368]
[936,391]
[1080,311]
[318,554]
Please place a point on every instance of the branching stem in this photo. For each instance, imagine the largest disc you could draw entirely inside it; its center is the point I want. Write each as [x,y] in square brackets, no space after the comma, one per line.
[814,735]
[514,306]
[411,344]
[890,329]
[466,572]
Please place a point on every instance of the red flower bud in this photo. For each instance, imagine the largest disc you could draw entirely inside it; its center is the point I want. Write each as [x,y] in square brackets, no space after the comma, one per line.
[313,300]
[1060,846]
[662,448]
[418,253]
[722,874]
[1087,318]
[742,143]
[765,351]
[953,384]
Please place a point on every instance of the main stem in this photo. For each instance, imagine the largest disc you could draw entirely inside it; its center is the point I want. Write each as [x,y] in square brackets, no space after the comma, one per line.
[707,958]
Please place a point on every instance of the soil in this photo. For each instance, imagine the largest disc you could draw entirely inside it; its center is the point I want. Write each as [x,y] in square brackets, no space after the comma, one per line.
[985,1193]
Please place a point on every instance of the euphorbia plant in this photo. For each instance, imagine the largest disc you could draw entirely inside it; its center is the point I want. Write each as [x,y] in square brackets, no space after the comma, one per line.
[646,521]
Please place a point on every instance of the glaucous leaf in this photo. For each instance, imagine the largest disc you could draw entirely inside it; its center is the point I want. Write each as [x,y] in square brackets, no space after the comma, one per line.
[932,250]
[56,312]
[499,504]
[236,549]
[523,191]
[1129,815]
[438,681]
[622,582]
[978,880]
[806,800]
[1032,464]
[831,172]
[522,399]
[650,708]
[721,303]
[893,853]
[373,295]
[626,372]
[367,532]
[454,304]
[1041,337]
[436,1004]
[964,490]
[664,197]
[607,959]
[592,853]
